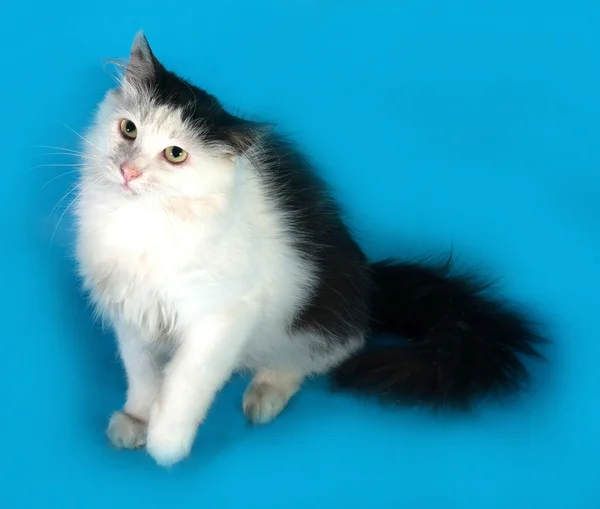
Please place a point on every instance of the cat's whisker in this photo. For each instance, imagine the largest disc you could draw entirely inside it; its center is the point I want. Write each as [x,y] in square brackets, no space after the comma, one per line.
[57,177]
[185,195]
[67,165]
[51,147]
[73,187]
[59,165]
[71,204]
[84,138]
[68,154]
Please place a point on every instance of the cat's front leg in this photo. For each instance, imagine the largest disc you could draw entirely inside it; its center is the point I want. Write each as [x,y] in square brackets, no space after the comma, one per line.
[127,428]
[208,354]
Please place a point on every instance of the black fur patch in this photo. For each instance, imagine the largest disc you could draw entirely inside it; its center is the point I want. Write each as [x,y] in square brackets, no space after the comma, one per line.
[340,305]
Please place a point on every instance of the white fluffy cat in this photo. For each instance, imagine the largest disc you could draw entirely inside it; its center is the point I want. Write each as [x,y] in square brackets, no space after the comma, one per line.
[210,246]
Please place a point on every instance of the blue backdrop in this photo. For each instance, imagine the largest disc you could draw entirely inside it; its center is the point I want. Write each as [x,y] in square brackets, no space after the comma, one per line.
[472,124]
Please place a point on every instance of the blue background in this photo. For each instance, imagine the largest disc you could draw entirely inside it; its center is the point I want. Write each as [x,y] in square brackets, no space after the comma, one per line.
[472,124]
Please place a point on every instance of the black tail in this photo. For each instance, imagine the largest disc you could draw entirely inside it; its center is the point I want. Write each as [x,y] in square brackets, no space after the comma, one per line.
[462,343]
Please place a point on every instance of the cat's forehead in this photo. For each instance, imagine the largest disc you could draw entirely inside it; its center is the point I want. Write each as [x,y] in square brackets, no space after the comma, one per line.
[149,114]
[142,103]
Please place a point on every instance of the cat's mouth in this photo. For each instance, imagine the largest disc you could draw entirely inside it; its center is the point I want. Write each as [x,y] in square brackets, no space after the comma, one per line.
[128,190]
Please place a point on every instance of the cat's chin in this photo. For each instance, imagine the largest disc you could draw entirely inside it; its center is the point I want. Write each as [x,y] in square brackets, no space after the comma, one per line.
[127,190]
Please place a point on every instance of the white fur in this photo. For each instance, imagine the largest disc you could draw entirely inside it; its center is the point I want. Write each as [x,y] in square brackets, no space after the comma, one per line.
[193,268]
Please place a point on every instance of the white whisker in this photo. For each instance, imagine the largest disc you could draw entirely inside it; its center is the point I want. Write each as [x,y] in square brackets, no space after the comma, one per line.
[84,138]
[60,165]
[78,156]
[70,204]
[55,148]
[59,176]
[71,188]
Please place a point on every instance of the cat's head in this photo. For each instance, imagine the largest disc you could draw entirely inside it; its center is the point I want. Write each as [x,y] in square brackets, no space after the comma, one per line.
[156,134]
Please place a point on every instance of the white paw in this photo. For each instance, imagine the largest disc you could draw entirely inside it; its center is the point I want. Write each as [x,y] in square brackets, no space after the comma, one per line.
[169,443]
[263,402]
[126,432]
[168,449]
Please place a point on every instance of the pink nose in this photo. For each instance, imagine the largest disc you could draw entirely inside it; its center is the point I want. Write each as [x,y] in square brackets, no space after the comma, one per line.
[130,172]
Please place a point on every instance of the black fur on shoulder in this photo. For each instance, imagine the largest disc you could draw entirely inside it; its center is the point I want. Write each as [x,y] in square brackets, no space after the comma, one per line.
[339,307]
[216,125]
[462,343]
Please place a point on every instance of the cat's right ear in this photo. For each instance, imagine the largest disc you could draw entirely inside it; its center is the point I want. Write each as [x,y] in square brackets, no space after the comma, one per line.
[143,65]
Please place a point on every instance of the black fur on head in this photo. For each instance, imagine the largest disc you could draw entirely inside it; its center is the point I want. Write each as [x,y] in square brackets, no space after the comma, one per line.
[199,108]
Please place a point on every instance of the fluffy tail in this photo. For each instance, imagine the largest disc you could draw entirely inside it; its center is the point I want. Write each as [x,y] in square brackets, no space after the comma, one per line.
[462,344]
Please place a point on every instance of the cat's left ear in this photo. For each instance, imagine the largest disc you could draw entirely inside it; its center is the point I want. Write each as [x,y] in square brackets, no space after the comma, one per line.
[143,65]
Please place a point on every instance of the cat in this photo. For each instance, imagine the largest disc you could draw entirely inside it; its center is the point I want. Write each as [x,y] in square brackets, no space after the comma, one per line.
[211,246]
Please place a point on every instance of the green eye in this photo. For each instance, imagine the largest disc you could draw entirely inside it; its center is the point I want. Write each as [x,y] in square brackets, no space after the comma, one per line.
[175,155]
[128,129]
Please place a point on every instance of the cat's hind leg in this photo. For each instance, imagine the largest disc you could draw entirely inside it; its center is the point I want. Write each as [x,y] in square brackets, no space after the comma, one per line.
[269,393]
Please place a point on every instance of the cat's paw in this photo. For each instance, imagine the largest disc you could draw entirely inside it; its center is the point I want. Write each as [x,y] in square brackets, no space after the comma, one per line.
[269,394]
[126,432]
[264,401]
[168,442]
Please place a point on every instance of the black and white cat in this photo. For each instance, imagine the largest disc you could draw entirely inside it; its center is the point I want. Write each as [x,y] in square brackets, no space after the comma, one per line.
[210,246]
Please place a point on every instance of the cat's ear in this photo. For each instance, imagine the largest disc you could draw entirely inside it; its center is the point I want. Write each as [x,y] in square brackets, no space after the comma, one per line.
[143,65]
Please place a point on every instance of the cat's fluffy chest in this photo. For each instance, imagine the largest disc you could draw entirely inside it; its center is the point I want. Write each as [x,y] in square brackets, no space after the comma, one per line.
[142,264]
[133,242]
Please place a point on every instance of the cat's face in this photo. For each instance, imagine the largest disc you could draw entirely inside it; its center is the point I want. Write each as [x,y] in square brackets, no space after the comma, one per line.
[157,135]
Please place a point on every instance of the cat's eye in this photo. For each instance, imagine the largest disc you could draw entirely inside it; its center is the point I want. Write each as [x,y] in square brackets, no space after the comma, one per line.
[128,129]
[175,155]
